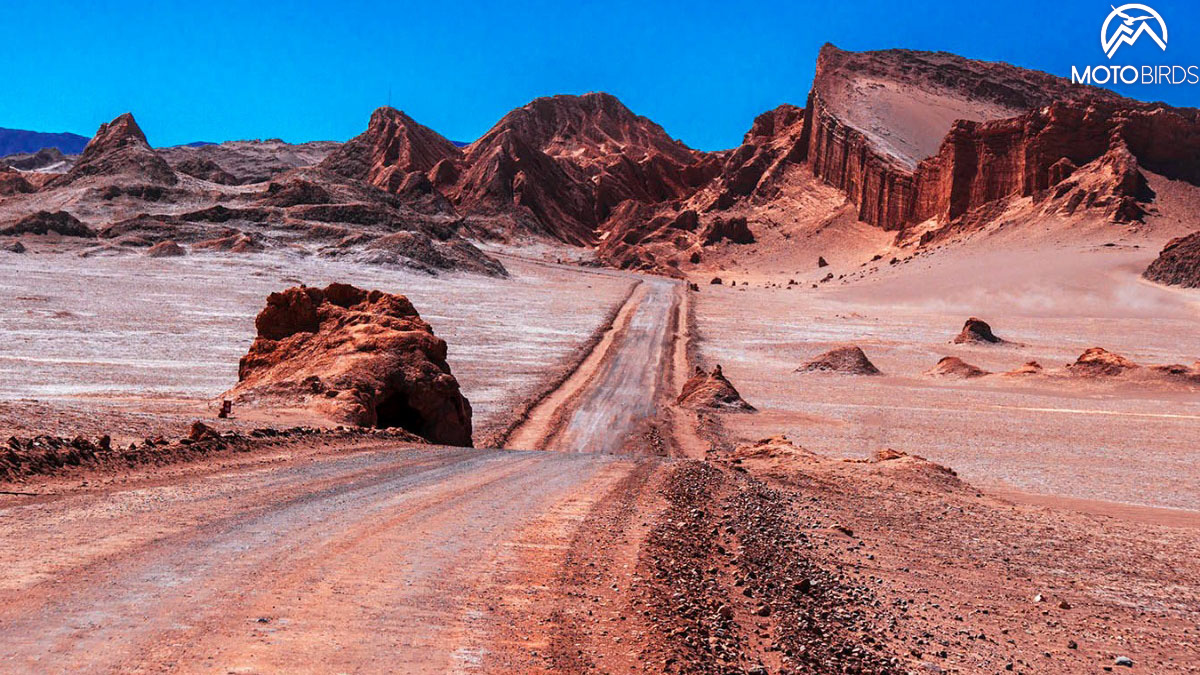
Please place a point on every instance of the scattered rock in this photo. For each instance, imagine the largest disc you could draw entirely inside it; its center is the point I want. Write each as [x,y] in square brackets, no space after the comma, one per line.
[201,431]
[713,391]
[1123,661]
[13,183]
[234,243]
[716,281]
[166,249]
[14,247]
[1029,368]
[847,359]
[1178,264]
[44,222]
[821,262]
[354,356]
[954,367]
[1099,362]
[976,331]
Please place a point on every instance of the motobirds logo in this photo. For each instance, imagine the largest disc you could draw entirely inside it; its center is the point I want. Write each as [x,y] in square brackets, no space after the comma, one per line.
[1126,25]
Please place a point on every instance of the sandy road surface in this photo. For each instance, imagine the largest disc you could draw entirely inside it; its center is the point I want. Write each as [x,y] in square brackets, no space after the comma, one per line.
[617,386]
[373,561]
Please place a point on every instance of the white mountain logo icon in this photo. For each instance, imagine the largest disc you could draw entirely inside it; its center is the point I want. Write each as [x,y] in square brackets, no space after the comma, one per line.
[1133,21]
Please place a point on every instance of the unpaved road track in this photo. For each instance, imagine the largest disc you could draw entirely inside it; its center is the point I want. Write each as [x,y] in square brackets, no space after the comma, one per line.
[374,561]
[379,560]
[617,386]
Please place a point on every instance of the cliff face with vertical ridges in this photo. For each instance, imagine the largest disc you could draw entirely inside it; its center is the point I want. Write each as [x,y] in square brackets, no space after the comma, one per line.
[911,135]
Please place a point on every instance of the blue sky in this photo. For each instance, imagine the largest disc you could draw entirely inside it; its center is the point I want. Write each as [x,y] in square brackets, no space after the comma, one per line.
[219,70]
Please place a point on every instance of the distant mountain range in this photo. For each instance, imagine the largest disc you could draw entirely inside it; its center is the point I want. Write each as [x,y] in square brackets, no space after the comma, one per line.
[13,141]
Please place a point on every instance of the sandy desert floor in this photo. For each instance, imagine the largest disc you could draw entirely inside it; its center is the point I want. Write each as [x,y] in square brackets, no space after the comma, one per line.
[1132,442]
[1067,540]
[153,341]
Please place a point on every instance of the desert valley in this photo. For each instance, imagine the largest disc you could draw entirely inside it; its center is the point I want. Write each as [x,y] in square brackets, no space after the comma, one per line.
[907,382]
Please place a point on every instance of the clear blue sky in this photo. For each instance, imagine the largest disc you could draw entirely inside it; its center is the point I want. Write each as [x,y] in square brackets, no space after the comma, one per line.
[219,70]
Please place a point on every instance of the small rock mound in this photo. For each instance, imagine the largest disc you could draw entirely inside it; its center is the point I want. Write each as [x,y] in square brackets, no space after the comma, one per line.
[353,356]
[1029,368]
[45,222]
[13,183]
[1178,264]
[774,447]
[977,331]
[1099,362]
[956,368]
[166,249]
[915,470]
[234,243]
[712,391]
[421,251]
[847,359]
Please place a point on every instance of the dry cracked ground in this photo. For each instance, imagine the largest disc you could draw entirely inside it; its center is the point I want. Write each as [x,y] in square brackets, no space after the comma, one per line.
[1051,528]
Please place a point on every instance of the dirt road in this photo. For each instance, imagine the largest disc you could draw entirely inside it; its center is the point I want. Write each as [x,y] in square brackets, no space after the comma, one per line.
[616,387]
[368,562]
[374,560]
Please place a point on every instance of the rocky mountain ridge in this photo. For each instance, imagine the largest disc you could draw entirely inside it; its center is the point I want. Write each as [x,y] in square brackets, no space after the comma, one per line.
[922,144]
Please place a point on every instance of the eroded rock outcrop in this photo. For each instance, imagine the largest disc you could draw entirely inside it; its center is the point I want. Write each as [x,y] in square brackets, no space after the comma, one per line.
[205,169]
[45,222]
[952,367]
[712,391]
[1178,264]
[976,331]
[847,359]
[353,356]
[1099,362]
[393,147]
[119,150]
[13,183]
[166,249]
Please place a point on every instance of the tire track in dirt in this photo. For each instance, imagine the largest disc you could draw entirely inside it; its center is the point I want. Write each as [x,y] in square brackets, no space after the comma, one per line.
[374,572]
[617,387]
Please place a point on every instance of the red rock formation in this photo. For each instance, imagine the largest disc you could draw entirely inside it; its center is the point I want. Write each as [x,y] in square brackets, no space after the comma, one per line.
[1026,369]
[847,359]
[1099,362]
[1178,264]
[1018,133]
[166,249]
[392,147]
[13,183]
[712,391]
[205,169]
[45,222]
[353,356]
[567,162]
[1036,155]
[955,368]
[119,150]
[976,330]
